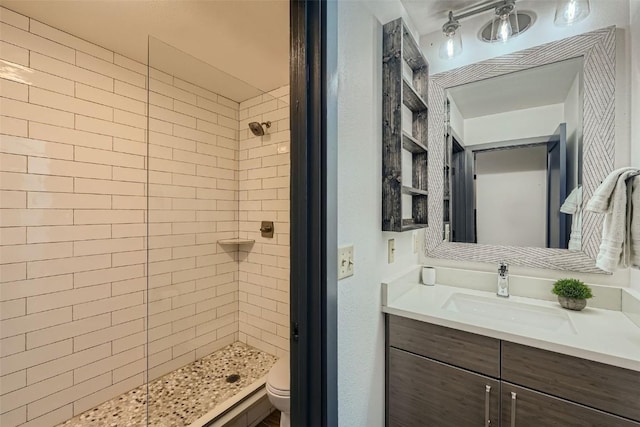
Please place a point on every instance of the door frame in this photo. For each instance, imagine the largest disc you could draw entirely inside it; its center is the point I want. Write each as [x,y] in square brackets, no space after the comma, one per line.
[313,296]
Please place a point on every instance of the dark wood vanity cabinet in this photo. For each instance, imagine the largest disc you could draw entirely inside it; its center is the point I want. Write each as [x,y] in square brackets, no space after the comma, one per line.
[424,392]
[438,376]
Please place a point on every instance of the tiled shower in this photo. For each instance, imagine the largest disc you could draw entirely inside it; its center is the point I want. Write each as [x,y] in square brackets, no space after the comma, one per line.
[117,181]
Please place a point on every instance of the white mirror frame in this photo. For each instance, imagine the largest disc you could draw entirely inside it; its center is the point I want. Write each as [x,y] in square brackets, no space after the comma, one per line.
[598,50]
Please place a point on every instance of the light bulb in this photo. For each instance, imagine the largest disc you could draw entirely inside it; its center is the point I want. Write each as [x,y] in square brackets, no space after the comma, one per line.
[450,47]
[505,31]
[569,12]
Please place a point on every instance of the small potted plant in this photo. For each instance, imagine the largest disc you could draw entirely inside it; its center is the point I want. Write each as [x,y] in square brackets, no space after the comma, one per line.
[572,293]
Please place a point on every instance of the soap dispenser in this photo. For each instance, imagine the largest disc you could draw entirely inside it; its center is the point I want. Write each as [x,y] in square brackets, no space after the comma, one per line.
[503,280]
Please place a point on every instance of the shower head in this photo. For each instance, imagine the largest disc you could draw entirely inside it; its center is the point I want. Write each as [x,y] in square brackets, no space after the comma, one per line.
[258,128]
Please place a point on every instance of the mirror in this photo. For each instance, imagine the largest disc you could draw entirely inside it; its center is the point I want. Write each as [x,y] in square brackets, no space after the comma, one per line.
[590,62]
[513,158]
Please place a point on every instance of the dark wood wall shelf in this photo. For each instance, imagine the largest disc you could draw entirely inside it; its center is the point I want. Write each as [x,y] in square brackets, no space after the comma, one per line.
[408,226]
[409,143]
[413,191]
[399,90]
[411,99]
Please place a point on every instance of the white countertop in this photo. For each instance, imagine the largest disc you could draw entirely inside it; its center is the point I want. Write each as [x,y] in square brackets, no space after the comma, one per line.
[605,336]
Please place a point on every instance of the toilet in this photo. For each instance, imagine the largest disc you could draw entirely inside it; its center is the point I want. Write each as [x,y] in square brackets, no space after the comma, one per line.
[279,390]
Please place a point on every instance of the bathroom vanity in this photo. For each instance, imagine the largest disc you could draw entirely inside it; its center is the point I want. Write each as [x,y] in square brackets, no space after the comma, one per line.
[462,357]
[439,376]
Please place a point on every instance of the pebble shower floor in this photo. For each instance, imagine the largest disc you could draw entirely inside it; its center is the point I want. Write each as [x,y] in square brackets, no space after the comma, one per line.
[182,396]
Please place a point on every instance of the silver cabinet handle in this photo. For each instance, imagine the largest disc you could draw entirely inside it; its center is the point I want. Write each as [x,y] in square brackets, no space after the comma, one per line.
[487,406]
[513,409]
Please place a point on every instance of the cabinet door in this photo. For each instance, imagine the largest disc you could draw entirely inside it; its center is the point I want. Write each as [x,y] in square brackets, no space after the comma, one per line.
[522,407]
[608,388]
[426,393]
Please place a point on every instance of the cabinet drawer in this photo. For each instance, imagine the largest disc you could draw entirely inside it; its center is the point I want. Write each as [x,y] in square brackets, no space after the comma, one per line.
[534,409]
[594,384]
[423,392]
[470,351]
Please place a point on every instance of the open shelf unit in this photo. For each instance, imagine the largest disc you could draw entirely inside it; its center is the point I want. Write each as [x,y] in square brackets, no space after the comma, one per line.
[398,90]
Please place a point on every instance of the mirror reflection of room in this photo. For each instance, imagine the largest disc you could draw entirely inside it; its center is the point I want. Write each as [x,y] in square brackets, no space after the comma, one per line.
[513,156]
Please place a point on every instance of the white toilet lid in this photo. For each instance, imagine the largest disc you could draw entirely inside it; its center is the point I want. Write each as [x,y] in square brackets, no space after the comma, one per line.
[278,378]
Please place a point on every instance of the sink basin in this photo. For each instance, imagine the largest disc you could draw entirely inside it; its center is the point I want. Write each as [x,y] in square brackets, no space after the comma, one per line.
[510,312]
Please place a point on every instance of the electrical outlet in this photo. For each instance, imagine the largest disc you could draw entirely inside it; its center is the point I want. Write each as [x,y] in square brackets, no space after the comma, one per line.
[392,250]
[345,262]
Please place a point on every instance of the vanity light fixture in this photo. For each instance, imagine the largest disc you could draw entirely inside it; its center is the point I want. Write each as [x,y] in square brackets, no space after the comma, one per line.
[569,12]
[452,45]
[506,24]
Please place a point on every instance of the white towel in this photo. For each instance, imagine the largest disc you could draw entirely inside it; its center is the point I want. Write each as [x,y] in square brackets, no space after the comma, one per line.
[573,206]
[635,221]
[600,202]
[611,198]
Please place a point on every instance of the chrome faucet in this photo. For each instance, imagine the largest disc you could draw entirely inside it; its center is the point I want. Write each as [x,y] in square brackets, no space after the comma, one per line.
[503,280]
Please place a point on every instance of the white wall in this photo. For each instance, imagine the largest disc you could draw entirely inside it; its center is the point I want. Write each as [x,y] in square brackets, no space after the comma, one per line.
[634,13]
[518,124]
[515,181]
[360,320]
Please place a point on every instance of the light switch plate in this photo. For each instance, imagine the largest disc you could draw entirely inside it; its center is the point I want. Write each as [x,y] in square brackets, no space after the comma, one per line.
[345,262]
[392,250]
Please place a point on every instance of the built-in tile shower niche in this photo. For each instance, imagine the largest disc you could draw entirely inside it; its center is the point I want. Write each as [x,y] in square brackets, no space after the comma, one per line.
[120,305]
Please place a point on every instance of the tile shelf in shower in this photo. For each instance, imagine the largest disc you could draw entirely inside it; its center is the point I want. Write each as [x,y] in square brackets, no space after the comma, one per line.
[236,241]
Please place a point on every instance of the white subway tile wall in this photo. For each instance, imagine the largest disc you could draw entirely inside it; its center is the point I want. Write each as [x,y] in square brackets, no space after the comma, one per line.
[76,175]
[264,169]
[193,285]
